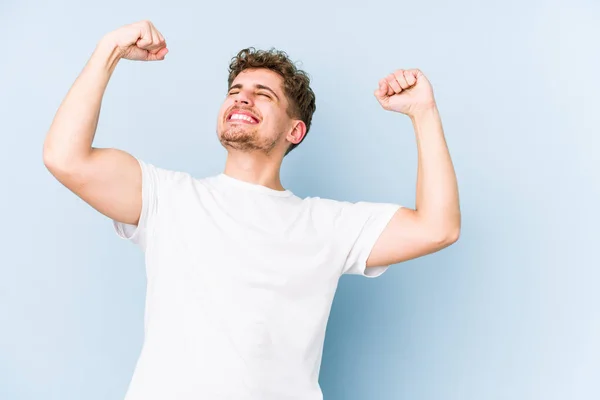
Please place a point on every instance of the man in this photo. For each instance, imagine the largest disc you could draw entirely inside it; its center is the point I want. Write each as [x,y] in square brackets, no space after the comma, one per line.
[241,272]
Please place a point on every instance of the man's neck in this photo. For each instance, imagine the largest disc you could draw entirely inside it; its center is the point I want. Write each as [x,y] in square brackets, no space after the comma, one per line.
[253,168]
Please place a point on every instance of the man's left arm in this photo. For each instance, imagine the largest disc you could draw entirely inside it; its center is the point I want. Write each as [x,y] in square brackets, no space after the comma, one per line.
[435,222]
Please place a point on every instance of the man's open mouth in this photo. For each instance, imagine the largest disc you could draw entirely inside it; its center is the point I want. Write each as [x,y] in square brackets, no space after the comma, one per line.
[242,116]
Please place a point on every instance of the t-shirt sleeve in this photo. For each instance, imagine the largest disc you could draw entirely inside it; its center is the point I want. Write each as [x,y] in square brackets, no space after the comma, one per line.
[359,226]
[152,179]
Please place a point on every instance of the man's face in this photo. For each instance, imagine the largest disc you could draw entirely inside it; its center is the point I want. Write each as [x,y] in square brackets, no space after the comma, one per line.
[253,116]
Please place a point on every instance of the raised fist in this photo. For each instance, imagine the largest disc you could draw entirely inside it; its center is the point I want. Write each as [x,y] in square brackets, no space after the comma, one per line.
[405,91]
[140,41]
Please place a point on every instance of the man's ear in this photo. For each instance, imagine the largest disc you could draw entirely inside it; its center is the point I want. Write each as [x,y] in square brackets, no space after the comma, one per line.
[298,132]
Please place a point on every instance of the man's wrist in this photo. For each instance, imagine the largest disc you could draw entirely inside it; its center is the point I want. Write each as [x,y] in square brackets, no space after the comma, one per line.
[424,112]
[106,55]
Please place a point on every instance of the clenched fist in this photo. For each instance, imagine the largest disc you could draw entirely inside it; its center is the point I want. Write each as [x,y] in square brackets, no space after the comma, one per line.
[405,91]
[140,41]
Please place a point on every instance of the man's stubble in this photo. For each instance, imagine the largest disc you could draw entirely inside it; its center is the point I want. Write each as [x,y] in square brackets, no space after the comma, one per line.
[242,138]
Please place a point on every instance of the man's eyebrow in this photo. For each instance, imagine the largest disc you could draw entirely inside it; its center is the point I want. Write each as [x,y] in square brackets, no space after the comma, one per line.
[258,86]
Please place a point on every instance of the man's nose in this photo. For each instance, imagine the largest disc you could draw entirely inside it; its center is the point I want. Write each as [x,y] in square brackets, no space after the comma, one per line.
[243,98]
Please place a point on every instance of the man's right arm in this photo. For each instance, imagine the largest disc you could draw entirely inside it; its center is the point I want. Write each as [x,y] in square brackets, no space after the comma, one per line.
[109,180]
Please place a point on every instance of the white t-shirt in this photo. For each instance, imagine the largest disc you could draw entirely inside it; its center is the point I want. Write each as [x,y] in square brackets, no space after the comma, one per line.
[240,282]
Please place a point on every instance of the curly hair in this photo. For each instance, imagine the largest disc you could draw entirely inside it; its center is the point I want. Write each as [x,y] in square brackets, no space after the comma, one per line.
[296,83]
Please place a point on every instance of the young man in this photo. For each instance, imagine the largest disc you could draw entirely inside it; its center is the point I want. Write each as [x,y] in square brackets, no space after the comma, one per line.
[241,272]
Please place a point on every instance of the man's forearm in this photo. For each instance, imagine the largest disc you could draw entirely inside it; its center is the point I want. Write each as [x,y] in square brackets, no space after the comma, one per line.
[437,189]
[71,134]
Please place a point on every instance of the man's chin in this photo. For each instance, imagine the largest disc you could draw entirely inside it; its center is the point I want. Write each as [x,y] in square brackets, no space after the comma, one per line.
[237,135]
[237,140]
[240,138]
[239,130]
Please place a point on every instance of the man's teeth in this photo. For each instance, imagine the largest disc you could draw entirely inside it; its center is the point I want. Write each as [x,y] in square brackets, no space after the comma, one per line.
[243,117]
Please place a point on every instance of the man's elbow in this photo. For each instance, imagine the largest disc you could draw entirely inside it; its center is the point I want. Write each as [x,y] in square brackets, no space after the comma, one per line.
[444,231]
[448,235]
[453,236]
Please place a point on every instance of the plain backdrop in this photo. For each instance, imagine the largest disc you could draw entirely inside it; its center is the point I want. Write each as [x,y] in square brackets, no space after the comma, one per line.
[511,311]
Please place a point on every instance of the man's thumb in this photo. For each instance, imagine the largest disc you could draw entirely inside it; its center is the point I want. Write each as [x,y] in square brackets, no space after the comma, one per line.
[381,91]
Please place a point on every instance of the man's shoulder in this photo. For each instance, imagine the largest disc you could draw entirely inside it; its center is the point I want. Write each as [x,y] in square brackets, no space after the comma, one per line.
[325,204]
[171,178]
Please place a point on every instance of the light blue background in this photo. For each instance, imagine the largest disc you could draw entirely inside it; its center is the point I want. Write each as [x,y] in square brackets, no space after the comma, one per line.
[511,311]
